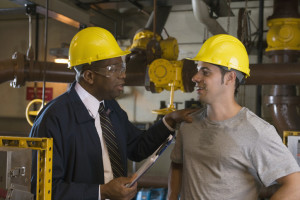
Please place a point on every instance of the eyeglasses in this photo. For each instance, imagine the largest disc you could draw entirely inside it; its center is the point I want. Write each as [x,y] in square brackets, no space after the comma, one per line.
[111,70]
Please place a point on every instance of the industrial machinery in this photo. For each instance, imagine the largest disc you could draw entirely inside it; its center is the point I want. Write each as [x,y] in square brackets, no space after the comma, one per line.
[15,170]
[156,61]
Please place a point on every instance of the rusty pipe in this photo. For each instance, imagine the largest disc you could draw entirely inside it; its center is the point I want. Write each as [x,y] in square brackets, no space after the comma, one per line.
[19,70]
[6,71]
[285,9]
[274,73]
[55,73]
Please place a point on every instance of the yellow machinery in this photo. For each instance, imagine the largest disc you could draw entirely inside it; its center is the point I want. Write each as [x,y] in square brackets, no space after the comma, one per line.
[44,148]
[166,75]
[164,71]
[283,34]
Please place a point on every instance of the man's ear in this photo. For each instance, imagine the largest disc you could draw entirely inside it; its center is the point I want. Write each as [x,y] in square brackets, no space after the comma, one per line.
[88,76]
[230,77]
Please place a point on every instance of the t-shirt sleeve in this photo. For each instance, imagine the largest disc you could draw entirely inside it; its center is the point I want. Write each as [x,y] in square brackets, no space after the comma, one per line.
[271,158]
[177,152]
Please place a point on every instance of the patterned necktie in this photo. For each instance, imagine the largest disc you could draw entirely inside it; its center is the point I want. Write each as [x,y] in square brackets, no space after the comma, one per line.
[111,143]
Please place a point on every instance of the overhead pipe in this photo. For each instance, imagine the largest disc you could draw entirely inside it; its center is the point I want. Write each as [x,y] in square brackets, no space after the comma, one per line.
[274,73]
[19,70]
[200,10]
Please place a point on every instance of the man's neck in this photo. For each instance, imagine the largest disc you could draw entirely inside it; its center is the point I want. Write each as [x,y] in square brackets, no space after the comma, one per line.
[222,111]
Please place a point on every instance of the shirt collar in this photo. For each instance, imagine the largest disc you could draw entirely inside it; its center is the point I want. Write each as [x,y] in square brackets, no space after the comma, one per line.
[90,102]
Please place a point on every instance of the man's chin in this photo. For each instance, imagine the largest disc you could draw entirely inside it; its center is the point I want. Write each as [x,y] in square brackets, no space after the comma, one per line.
[119,95]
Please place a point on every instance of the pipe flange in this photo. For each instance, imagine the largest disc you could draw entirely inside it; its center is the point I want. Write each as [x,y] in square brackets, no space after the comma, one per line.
[19,67]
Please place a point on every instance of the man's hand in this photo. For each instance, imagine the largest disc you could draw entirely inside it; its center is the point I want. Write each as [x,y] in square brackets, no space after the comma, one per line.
[116,189]
[179,116]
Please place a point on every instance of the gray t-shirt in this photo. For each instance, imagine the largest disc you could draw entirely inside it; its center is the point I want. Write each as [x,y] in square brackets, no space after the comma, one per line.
[230,159]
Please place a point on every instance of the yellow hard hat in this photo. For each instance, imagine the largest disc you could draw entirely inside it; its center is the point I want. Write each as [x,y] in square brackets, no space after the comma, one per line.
[225,50]
[93,44]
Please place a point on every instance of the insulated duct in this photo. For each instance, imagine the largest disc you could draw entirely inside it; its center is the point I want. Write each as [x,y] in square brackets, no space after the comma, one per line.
[201,13]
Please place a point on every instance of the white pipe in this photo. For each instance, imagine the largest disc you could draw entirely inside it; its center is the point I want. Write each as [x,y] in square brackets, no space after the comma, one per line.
[201,13]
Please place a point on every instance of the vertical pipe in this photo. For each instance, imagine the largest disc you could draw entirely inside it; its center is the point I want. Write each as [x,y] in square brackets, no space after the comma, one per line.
[36,57]
[283,107]
[37,27]
[162,13]
[45,53]
[260,55]
[154,19]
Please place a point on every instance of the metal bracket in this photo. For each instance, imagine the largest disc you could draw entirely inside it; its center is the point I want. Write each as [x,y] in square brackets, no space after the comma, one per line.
[18,171]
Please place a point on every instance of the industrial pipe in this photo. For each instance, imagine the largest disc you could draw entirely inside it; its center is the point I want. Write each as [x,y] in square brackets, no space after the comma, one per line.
[201,13]
[283,47]
[274,73]
[21,70]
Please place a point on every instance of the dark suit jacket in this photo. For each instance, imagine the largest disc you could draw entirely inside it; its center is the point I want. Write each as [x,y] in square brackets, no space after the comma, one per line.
[77,155]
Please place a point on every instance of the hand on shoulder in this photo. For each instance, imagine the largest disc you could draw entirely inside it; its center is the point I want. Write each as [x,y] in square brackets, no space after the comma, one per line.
[179,116]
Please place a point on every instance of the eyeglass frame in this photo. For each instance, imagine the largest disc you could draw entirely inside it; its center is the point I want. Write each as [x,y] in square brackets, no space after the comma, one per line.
[111,70]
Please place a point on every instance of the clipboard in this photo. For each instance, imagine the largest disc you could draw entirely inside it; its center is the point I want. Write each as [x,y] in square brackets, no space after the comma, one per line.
[150,161]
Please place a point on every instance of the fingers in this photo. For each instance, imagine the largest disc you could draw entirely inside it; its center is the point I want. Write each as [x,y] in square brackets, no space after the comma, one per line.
[184,115]
[191,110]
[132,191]
[179,116]
[116,189]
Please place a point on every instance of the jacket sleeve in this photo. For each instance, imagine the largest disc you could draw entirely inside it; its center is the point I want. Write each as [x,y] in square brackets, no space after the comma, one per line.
[140,144]
[49,126]
[144,144]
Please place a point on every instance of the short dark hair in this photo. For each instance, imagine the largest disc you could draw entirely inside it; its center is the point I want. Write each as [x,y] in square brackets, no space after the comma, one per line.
[239,78]
[83,67]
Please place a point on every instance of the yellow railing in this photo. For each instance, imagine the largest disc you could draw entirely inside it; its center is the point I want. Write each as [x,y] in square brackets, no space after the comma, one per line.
[44,147]
[289,133]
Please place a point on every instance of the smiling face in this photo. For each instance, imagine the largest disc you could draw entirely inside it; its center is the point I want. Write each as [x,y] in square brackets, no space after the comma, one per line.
[209,84]
[101,86]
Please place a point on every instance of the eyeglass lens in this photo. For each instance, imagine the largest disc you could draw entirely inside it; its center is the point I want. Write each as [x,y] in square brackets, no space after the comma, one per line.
[116,69]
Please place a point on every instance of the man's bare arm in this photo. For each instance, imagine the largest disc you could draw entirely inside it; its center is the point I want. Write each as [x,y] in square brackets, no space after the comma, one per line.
[290,187]
[174,183]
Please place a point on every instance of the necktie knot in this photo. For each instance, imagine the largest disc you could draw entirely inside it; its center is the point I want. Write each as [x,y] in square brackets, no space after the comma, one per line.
[101,108]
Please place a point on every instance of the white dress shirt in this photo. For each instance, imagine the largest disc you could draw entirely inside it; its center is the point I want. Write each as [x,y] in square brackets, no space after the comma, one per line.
[92,105]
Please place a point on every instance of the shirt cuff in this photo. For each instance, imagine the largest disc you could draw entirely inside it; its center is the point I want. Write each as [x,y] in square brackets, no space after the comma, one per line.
[167,125]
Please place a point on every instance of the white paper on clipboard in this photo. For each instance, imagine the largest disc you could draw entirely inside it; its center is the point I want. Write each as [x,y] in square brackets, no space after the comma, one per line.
[150,161]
